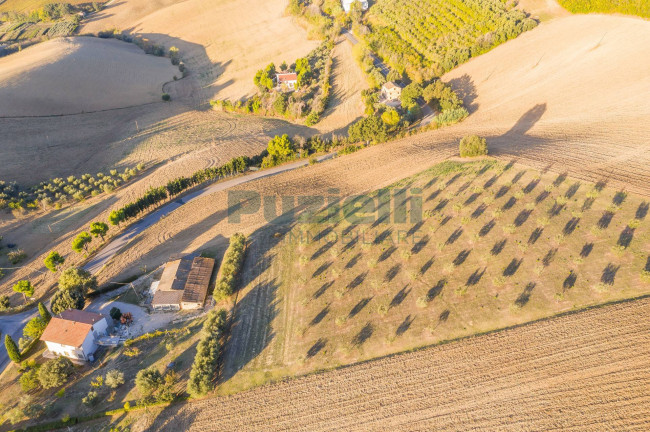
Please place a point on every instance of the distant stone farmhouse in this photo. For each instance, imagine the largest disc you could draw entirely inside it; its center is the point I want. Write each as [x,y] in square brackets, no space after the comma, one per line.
[74,334]
[390,92]
[184,284]
[347,4]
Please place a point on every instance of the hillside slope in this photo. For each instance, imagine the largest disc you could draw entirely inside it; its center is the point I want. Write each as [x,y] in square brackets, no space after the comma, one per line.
[74,75]
[571,93]
[223,42]
[572,112]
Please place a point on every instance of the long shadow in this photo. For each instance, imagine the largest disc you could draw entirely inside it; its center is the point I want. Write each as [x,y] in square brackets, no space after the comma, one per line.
[359,307]
[524,297]
[461,257]
[466,90]
[399,297]
[454,236]
[475,277]
[320,291]
[320,316]
[364,334]
[570,281]
[609,274]
[512,267]
[435,290]
[405,325]
[535,235]
[316,347]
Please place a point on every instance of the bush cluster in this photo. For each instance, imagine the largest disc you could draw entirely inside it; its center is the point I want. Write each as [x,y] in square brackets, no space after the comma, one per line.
[74,284]
[204,368]
[230,267]
[473,145]
[310,99]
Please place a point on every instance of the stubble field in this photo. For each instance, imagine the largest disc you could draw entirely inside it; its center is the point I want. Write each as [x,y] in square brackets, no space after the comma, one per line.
[224,42]
[575,373]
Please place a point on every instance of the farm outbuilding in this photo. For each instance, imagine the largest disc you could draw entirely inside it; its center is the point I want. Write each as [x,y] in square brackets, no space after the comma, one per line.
[197,284]
[184,284]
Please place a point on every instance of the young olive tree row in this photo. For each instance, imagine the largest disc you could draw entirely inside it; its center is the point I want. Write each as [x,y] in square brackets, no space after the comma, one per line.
[204,368]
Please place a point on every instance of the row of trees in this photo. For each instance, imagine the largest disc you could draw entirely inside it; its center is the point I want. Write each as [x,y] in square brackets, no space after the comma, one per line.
[204,368]
[59,190]
[158,194]
[230,267]
[630,7]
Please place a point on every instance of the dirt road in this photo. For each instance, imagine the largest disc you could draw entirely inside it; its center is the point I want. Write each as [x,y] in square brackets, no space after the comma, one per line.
[96,264]
[585,371]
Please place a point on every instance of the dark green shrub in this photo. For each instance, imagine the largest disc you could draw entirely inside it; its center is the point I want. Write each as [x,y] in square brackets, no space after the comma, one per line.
[230,267]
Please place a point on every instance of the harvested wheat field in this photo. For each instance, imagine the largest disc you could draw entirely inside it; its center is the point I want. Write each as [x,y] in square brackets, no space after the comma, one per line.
[223,43]
[348,81]
[584,371]
[76,75]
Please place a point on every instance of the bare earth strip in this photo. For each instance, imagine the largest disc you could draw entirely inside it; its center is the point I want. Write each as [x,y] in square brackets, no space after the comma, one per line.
[584,371]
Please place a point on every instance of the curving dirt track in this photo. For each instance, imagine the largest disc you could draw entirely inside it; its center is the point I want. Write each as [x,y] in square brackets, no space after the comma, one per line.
[585,371]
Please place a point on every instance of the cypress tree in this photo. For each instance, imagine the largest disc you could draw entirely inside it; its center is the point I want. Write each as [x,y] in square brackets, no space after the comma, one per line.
[12,349]
[45,314]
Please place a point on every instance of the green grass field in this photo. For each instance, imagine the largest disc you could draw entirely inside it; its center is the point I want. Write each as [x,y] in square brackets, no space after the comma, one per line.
[498,246]
[629,7]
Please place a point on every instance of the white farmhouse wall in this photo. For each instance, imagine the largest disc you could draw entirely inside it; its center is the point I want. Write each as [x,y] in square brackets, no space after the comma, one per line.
[100,328]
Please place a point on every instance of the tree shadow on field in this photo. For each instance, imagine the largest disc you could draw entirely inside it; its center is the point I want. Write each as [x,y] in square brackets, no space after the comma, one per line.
[364,334]
[405,325]
[173,417]
[466,90]
[316,348]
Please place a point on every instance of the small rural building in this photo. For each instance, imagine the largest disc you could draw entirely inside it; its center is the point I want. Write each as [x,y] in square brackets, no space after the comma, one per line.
[286,80]
[347,4]
[197,284]
[74,333]
[184,284]
[390,91]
